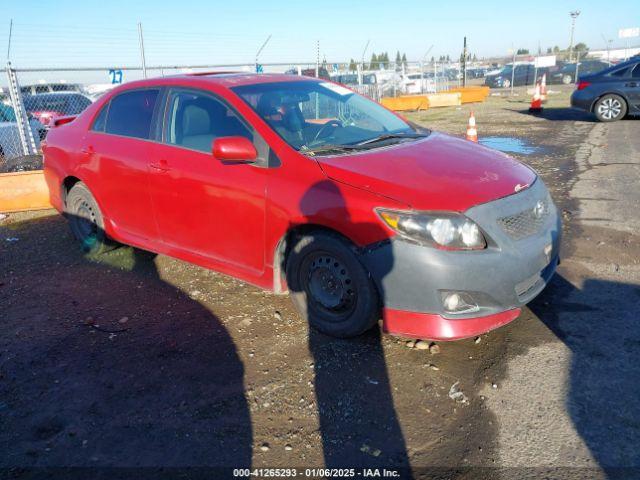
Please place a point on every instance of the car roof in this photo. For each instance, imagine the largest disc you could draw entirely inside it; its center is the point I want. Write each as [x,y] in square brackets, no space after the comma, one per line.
[224,79]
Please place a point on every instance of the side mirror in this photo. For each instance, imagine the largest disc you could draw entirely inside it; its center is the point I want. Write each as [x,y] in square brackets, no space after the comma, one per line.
[234,150]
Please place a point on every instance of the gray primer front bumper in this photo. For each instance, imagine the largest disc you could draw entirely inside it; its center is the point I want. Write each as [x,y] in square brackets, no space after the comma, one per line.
[411,277]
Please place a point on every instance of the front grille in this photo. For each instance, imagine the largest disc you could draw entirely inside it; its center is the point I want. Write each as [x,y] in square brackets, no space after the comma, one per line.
[527,222]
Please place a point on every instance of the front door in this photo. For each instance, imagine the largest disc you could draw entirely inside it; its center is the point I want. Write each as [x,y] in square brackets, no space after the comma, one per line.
[203,206]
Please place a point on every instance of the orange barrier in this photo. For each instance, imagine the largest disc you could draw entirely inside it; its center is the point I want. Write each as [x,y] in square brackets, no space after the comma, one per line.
[405,103]
[444,99]
[449,98]
[472,94]
[23,191]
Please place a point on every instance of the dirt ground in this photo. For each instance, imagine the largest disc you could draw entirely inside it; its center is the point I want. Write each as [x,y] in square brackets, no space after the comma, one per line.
[159,366]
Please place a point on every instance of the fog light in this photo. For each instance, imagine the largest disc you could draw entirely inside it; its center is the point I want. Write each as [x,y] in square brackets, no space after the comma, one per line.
[456,303]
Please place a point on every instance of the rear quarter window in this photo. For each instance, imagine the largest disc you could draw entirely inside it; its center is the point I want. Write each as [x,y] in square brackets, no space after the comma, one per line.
[130,113]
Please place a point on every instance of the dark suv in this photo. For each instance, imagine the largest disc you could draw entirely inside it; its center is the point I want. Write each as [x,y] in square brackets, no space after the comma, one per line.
[610,94]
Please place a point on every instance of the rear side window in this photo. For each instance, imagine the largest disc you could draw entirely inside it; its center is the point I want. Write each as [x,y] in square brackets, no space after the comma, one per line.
[101,120]
[130,113]
[620,73]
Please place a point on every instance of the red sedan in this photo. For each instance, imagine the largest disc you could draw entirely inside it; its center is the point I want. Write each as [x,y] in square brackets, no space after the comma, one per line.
[300,184]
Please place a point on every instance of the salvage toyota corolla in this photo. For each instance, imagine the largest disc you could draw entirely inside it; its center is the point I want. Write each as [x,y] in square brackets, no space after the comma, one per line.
[301,185]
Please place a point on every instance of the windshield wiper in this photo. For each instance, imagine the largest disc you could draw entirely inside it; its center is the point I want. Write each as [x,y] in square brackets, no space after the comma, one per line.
[388,136]
[330,148]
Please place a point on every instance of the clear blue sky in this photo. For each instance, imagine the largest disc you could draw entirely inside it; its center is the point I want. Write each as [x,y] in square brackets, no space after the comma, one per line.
[65,32]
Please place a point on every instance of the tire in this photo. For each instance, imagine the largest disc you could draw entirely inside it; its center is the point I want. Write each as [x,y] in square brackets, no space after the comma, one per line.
[85,220]
[610,108]
[329,286]
[567,79]
[506,83]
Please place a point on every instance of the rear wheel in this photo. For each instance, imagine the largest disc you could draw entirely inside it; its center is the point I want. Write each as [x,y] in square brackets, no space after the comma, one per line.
[330,287]
[85,220]
[567,79]
[610,108]
[506,83]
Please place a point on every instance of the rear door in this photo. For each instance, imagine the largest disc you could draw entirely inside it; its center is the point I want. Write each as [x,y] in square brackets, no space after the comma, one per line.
[117,149]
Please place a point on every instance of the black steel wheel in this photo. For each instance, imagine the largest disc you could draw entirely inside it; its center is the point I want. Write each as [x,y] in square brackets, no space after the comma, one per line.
[85,220]
[330,287]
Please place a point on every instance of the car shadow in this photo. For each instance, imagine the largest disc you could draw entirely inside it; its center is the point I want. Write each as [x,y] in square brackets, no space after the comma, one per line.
[603,334]
[110,367]
[562,114]
[358,422]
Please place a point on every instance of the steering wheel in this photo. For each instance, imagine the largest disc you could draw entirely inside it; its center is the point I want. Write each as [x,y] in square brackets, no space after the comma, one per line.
[330,123]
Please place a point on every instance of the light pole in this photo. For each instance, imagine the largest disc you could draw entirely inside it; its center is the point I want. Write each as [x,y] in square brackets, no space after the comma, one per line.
[574,14]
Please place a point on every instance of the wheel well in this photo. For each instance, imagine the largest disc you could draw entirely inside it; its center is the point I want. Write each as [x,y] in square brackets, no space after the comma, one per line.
[284,246]
[67,184]
[624,99]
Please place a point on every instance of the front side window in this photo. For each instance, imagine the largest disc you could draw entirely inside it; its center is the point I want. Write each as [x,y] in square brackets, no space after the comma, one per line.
[195,120]
[636,71]
[311,115]
[130,113]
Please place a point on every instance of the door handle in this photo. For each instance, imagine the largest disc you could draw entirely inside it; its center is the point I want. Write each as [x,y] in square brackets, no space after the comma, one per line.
[160,166]
[88,150]
[632,84]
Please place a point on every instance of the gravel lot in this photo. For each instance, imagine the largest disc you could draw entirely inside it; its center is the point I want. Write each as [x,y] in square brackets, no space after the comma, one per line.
[127,360]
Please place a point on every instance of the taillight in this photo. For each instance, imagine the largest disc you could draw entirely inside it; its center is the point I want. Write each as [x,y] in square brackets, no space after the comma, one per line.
[582,85]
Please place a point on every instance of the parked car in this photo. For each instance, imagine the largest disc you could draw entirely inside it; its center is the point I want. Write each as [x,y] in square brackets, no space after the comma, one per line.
[610,94]
[47,106]
[567,74]
[415,83]
[356,212]
[50,88]
[10,143]
[524,75]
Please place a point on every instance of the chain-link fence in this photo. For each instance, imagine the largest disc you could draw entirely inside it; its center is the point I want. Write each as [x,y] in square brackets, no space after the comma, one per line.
[40,95]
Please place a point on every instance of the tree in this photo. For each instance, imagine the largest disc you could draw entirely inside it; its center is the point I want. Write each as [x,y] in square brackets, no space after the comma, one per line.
[404,60]
[549,50]
[353,67]
[522,51]
[373,65]
[556,49]
[581,47]
[398,60]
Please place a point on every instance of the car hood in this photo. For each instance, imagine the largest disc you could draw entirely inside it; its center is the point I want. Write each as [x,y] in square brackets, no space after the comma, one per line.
[439,172]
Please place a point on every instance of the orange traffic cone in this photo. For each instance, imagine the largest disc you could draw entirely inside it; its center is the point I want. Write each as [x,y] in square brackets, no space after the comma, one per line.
[472,132]
[543,88]
[536,101]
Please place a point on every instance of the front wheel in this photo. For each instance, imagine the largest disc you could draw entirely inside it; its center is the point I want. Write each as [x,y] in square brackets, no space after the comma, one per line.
[567,79]
[610,108]
[85,220]
[506,83]
[330,287]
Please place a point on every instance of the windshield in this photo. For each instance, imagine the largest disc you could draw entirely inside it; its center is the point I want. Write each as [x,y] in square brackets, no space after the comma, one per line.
[313,116]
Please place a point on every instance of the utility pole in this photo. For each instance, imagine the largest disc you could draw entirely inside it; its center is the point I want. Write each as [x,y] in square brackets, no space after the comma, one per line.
[608,44]
[317,58]
[574,14]
[260,51]
[144,64]
[464,63]
[9,44]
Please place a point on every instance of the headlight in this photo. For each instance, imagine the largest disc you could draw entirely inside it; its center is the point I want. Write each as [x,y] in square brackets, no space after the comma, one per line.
[441,229]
